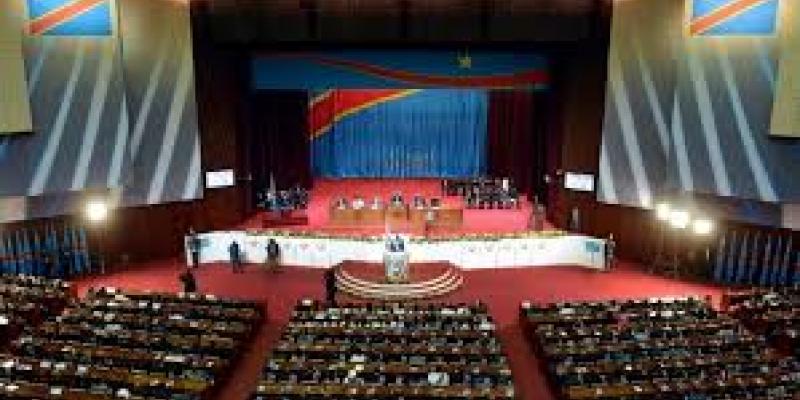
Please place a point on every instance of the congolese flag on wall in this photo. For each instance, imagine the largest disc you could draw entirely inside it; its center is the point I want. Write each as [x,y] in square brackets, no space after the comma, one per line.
[733,17]
[70,17]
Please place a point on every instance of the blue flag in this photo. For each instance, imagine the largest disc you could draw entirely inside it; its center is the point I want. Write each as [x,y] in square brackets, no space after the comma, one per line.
[752,265]
[730,264]
[77,256]
[52,248]
[786,268]
[3,256]
[765,267]
[84,250]
[27,253]
[66,251]
[719,265]
[775,263]
[741,262]
[11,259]
[38,267]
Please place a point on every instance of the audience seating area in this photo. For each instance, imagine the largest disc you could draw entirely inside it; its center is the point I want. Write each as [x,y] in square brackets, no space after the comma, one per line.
[774,313]
[114,344]
[27,301]
[387,351]
[655,349]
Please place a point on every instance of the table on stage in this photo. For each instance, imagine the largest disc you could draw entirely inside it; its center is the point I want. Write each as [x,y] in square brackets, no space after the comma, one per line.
[397,216]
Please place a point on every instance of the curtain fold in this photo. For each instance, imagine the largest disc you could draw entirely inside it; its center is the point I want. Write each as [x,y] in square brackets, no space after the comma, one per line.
[516,147]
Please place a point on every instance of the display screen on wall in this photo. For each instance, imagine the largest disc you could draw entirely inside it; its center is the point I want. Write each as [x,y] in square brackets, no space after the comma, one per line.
[579,182]
[219,179]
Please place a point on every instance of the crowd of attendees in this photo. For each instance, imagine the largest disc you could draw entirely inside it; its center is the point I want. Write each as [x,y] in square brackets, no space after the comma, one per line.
[484,193]
[772,312]
[295,198]
[387,351]
[114,344]
[655,349]
[27,301]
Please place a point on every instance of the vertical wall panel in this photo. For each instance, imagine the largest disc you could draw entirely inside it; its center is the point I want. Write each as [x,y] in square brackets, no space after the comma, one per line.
[15,112]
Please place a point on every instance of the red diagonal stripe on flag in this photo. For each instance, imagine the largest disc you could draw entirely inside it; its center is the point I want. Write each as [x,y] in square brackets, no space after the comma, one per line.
[60,15]
[719,15]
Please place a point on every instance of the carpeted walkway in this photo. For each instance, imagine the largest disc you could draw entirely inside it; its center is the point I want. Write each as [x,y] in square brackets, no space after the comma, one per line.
[501,289]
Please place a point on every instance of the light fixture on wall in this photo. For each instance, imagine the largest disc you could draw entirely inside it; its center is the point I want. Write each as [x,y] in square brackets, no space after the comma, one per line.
[679,219]
[663,211]
[96,211]
[702,226]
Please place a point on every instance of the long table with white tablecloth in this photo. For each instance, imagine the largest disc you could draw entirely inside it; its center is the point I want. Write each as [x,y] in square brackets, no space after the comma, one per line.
[325,252]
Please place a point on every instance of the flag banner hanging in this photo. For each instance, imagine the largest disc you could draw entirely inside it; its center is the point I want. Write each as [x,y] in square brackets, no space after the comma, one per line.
[70,17]
[733,17]
[392,133]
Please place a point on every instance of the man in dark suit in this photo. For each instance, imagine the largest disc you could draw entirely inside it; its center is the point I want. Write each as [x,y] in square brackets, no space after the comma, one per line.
[330,286]
[194,247]
[188,281]
[236,257]
[273,255]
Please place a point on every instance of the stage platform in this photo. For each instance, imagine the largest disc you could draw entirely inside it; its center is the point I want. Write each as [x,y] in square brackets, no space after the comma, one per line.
[317,217]
[485,239]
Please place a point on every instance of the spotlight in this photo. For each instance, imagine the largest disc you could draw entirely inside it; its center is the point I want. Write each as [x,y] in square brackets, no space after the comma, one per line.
[702,226]
[96,211]
[663,211]
[679,219]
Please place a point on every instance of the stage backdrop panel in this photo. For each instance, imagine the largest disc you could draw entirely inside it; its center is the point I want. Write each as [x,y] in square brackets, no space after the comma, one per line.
[688,110]
[398,133]
[15,111]
[111,86]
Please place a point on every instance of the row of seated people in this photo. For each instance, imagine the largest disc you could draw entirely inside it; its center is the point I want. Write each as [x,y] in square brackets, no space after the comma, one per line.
[655,349]
[387,351]
[484,193]
[295,198]
[27,301]
[138,345]
[772,312]
[377,203]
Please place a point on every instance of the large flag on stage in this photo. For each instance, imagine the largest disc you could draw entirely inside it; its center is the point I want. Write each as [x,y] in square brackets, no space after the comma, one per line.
[398,133]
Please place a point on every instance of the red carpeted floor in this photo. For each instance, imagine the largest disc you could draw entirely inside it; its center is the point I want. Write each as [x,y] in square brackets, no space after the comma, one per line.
[326,190]
[501,289]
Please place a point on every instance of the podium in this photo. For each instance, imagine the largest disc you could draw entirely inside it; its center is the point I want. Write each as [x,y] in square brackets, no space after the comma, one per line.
[396,265]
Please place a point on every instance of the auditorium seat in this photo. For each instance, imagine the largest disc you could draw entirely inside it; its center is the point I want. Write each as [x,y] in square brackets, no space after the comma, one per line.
[116,344]
[387,351]
[655,348]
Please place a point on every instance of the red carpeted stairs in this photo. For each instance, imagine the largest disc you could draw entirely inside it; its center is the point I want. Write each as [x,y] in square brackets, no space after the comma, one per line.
[426,281]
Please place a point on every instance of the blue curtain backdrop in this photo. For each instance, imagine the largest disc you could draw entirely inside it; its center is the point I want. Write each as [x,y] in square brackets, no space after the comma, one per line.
[422,133]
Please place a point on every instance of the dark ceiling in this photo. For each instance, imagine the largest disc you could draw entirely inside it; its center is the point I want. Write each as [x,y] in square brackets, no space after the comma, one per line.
[403,21]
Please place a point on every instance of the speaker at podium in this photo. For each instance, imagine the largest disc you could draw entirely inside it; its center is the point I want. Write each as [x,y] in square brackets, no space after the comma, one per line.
[395,259]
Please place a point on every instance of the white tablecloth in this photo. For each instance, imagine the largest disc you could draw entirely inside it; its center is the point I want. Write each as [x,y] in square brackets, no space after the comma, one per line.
[468,254]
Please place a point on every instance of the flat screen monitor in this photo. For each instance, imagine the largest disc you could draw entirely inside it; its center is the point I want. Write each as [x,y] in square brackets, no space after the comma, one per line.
[219,179]
[579,182]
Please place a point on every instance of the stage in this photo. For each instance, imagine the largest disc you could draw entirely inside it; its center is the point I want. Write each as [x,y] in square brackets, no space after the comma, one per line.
[325,191]
[486,238]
